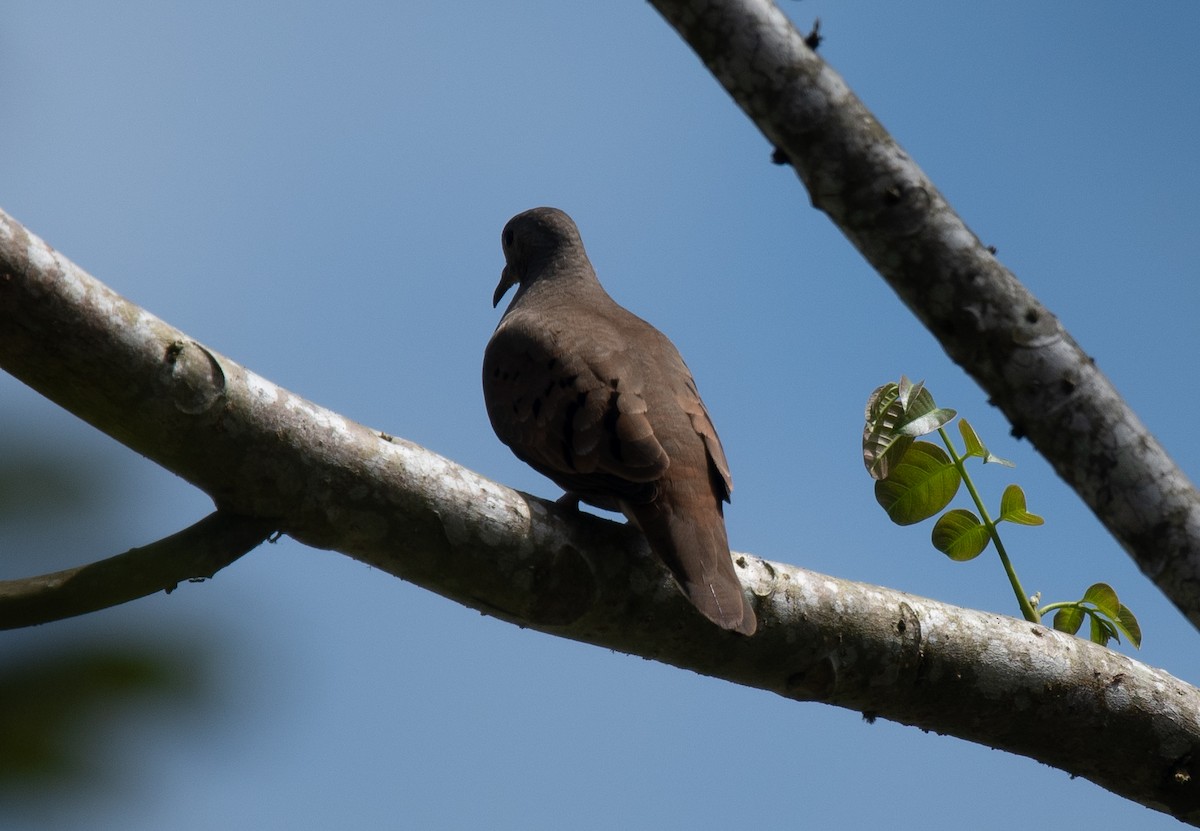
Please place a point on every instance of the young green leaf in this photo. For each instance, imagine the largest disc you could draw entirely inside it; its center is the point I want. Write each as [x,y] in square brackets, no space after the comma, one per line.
[1101,630]
[975,446]
[971,439]
[1104,598]
[908,392]
[922,483]
[921,414]
[1068,619]
[960,535]
[895,415]
[882,449]
[928,422]
[879,401]
[905,398]
[1012,508]
[1128,624]
[883,443]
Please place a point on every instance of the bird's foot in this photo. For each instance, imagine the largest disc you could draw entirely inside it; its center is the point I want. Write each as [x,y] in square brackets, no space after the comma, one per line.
[568,500]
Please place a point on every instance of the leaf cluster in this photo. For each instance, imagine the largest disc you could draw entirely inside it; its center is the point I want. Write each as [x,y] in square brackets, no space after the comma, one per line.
[916,480]
[1109,617]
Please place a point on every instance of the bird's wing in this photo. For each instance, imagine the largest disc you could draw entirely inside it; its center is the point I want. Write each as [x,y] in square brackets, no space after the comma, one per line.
[571,411]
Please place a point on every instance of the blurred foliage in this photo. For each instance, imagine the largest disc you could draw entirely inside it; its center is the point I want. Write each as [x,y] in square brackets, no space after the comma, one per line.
[53,706]
[69,692]
[33,484]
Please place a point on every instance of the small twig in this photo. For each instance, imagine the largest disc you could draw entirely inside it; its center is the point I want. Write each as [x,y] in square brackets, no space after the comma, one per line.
[814,37]
[197,552]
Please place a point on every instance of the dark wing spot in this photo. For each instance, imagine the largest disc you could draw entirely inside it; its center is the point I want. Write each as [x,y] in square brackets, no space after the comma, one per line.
[611,414]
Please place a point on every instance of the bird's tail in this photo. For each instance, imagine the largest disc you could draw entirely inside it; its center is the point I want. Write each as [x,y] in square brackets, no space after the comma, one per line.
[689,536]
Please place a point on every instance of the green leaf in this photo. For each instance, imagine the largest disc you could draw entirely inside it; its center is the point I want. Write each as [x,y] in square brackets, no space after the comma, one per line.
[916,426]
[1068,619]
[1102,627]
[1128,624]
[879,401]
[1012,508]
[883,447]
[1101,630]
[921,414]
[922,483]
[909,393]
[971,439]
[883,444]
[960,535]
[895,415]
[975,446]
[1104,598]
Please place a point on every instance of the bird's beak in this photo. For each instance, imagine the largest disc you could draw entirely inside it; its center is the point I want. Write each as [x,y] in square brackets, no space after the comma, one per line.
[506,282]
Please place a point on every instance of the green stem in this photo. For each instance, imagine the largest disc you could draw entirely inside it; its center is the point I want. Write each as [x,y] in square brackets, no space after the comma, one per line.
[1022,599]
[1061,604]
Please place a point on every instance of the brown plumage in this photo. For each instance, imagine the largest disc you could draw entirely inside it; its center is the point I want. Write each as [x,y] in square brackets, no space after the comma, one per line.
[600,401]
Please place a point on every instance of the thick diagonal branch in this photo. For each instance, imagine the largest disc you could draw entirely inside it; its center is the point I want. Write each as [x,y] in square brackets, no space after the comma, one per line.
[1050,389]
[262,451]
[196,552]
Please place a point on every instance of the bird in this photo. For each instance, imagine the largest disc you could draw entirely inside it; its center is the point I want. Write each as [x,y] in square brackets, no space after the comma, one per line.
[601,402]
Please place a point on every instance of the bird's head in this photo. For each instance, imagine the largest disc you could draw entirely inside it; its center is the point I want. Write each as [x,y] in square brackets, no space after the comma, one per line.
[534,242]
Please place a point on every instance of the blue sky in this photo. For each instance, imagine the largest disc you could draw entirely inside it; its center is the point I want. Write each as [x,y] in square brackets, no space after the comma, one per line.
[317,191]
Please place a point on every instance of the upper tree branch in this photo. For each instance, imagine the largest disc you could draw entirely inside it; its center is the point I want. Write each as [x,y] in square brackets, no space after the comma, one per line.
[261,451]
[1048,387]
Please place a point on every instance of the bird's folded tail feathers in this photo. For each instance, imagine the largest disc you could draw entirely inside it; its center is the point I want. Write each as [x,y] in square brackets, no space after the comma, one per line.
[696,550]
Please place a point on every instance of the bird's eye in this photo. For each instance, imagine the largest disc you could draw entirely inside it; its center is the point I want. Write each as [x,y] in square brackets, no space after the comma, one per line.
[508,237]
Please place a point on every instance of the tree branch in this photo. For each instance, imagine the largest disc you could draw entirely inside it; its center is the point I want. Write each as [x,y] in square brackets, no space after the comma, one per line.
[199,551]
[263,451]
[990,325]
